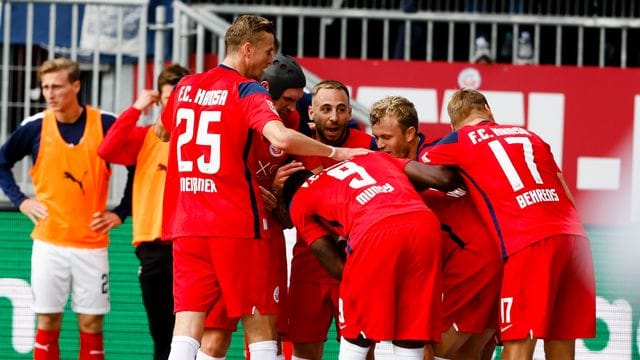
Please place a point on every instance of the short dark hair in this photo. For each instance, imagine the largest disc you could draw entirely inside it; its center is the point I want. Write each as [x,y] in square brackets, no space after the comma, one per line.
[171,75]
[293,183]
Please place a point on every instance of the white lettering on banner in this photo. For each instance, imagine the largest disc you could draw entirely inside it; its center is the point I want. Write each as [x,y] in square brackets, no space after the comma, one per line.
[23,322]
[196,185]
[616,315]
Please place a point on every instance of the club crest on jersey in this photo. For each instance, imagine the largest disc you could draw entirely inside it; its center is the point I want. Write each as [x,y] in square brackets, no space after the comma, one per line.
[274,151]
[272,107]
[276,294]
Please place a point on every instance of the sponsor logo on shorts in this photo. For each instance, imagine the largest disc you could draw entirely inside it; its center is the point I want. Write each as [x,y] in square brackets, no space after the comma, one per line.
[276,294]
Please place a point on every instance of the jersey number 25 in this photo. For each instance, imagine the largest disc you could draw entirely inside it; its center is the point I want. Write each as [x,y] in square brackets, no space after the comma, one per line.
[203,137]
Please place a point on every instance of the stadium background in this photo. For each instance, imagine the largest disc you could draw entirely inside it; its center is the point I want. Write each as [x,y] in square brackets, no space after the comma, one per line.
[589,106]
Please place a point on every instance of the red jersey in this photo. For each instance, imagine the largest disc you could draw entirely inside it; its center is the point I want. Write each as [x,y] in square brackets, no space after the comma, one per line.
[265,159]
[348,198]
[353,139]
[209,188]
[313,270]
[459,217]
[512,177]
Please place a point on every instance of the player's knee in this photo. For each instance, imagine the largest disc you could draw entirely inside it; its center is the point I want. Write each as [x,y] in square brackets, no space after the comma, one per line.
[309,351]
[90,323]
[215,343]
[49,321]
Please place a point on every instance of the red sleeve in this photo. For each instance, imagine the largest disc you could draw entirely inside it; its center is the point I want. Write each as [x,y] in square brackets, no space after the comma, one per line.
[167,117]
[259,109]
[401,162]
[308,229]
[441,154]
[124,139]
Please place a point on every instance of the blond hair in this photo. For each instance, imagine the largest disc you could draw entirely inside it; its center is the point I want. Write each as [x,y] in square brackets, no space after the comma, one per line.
[465,102]
[398,106]
[247,28]
[54,65]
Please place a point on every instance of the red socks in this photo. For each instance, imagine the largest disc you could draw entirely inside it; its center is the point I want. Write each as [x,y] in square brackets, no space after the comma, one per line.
[91,346]
[46,346]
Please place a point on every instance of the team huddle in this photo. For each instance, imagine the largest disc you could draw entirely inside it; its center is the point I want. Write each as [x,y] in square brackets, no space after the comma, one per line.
[444,247]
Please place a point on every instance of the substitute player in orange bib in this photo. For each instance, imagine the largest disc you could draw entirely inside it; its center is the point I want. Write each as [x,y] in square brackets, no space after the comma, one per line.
[70,235]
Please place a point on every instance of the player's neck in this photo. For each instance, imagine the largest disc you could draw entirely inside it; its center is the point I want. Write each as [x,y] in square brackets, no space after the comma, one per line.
[413,149]
[69,116]
[234,63]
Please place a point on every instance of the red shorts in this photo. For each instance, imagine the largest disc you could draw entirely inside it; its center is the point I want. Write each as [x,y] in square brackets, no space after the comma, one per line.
[279,258]
[234,270]
[390,286]
[548,291]
[312,307]
[217,318]
[471,281]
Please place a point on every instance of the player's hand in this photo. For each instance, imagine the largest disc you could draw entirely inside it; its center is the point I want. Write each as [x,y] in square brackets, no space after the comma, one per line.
[146,99]
[283,173]
[34,210]
[342,153]
[104,221]
[270,201]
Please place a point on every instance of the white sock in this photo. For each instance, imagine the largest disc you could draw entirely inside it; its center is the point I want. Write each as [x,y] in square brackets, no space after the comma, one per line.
[351,351]
[280,357]
[203,356]
[407,353]
[183,348]
[263,350]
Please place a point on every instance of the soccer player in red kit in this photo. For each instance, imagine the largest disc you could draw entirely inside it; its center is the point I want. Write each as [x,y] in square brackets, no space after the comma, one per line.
[548,289]
[211,199]
[472,268]
[285,81]
[313,294]
[390,287]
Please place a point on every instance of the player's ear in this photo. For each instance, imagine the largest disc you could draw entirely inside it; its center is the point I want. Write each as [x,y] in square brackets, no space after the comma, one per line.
[410,134]
[265,84]
[246,48]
